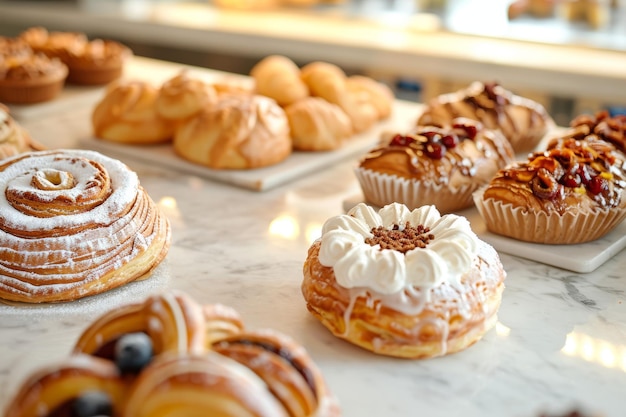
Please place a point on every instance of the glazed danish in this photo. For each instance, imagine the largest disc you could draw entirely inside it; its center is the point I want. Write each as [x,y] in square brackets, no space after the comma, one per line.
[169,356]
[74,223]
[403,283]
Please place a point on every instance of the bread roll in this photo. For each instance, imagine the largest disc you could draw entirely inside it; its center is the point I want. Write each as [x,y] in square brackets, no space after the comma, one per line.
[278,77]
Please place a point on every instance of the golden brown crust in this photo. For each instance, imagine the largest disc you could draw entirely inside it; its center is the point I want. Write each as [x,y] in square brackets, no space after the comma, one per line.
[31,78]
[278,77]
[317,125]
[439,328]
[183,96]
[127,114]
[523,122]
[99,62]
[14,139]
[368,90]
[194,369]
[77,224]
[239,131]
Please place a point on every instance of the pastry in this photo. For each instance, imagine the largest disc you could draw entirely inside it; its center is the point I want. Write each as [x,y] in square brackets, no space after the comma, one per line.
[183,96]
[14,138]
[32,78]
[411,284]
[433,165]
[98,62]
[523,121]
[239,131]
[602,126]
[278,77]
[376,94]
[163,357]
[570,193]
[54,44]
[75,223]
[127,114]
[317,125]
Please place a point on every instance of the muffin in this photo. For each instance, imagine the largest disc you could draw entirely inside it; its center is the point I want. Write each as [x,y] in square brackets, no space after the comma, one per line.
[27,79]
[411,284]
[98,62]
[573,192]
[439,166]
[523,122]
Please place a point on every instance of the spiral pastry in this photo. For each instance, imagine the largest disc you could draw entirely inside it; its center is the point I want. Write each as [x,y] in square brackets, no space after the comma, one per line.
[75,223]
[191,360]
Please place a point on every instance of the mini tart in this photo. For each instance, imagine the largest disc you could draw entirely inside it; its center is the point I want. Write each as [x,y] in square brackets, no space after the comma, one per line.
[523,122]
[411,284]
[30,79]
[54,44]
[99,62]
[433,166]
[573,192]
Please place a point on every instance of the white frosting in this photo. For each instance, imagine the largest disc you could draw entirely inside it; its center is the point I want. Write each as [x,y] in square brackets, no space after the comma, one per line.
[359,265]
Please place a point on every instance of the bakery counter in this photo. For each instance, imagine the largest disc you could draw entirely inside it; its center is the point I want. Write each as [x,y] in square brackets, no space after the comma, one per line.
[399,44]
[559,343]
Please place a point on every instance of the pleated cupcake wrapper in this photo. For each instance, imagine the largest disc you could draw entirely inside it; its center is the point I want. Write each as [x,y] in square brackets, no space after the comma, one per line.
[382,189]
[541,227]
[30,94]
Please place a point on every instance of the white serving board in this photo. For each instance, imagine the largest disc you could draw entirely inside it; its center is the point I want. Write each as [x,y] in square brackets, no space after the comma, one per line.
[582,258]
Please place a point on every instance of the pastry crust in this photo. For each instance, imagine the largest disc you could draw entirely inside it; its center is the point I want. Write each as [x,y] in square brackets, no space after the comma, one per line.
[183,96]
[413,321]
[203,363]
[14,139]
[523,122]
[317,125]
[278,77]
[239,131]
[127,114]
[76,223]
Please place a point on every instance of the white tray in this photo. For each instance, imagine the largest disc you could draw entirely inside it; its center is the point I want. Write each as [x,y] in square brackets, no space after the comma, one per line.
[261,179]
[582,258]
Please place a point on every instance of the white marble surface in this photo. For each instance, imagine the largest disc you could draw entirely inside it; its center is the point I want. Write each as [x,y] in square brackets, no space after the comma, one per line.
[560,341]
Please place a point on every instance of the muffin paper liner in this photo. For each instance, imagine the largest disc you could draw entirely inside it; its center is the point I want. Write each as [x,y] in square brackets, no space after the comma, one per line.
[543,227]
[382,189]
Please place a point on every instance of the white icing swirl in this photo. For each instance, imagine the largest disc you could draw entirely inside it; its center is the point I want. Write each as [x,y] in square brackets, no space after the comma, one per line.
[357,264]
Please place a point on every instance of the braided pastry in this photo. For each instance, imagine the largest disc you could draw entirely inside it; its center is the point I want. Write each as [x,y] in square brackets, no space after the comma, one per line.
[74,223]
[523,122]
[169,356]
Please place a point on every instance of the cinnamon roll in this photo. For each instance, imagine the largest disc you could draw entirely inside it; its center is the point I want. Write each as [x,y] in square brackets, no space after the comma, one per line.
[75,223]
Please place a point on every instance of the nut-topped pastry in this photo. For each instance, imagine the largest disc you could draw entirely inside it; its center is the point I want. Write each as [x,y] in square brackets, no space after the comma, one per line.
[30,78]
[600,125]
[99,62]
[572,192]
[412,284]
[523,122]
[442,166]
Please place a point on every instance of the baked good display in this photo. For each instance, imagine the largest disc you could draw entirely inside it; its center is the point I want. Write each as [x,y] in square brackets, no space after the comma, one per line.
[572,192]
[600,125]
[14,139]
[184,96]
[172,356]
[524,122]
[239,131]
[30,78]
[278,77]
[127,113]
[412,284]
[90,62]
[75,223]
[317,125]
[431,165]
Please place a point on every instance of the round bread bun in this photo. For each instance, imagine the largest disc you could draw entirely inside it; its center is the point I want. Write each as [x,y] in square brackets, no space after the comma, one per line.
[278,77]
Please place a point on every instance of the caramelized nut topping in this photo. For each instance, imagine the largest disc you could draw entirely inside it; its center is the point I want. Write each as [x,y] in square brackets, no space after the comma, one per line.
[401,239]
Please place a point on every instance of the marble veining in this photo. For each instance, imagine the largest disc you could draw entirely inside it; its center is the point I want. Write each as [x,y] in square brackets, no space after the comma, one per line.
[560,342]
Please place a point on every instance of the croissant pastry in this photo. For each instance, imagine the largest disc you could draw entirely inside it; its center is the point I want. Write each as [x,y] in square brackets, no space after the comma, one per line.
[523,122]
[75,223]
[163,357]
[127,114]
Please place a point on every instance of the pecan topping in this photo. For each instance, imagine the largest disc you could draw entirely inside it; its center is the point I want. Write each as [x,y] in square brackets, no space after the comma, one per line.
[402,239]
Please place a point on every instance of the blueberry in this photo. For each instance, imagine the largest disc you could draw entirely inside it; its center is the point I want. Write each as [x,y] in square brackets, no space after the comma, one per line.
[133,352]
[91,404]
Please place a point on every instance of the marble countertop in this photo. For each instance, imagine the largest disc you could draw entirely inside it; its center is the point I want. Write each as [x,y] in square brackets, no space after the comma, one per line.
[559,344]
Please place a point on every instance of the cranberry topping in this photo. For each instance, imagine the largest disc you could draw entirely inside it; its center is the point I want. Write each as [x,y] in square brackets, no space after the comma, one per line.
[598,185]
[434,150]
[401,140]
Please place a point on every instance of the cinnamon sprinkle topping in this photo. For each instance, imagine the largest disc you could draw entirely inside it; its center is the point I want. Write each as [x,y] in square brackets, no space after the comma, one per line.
[401,238]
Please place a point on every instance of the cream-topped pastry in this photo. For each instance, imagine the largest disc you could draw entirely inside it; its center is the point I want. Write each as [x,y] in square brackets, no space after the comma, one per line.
[403,283]
[74,223]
